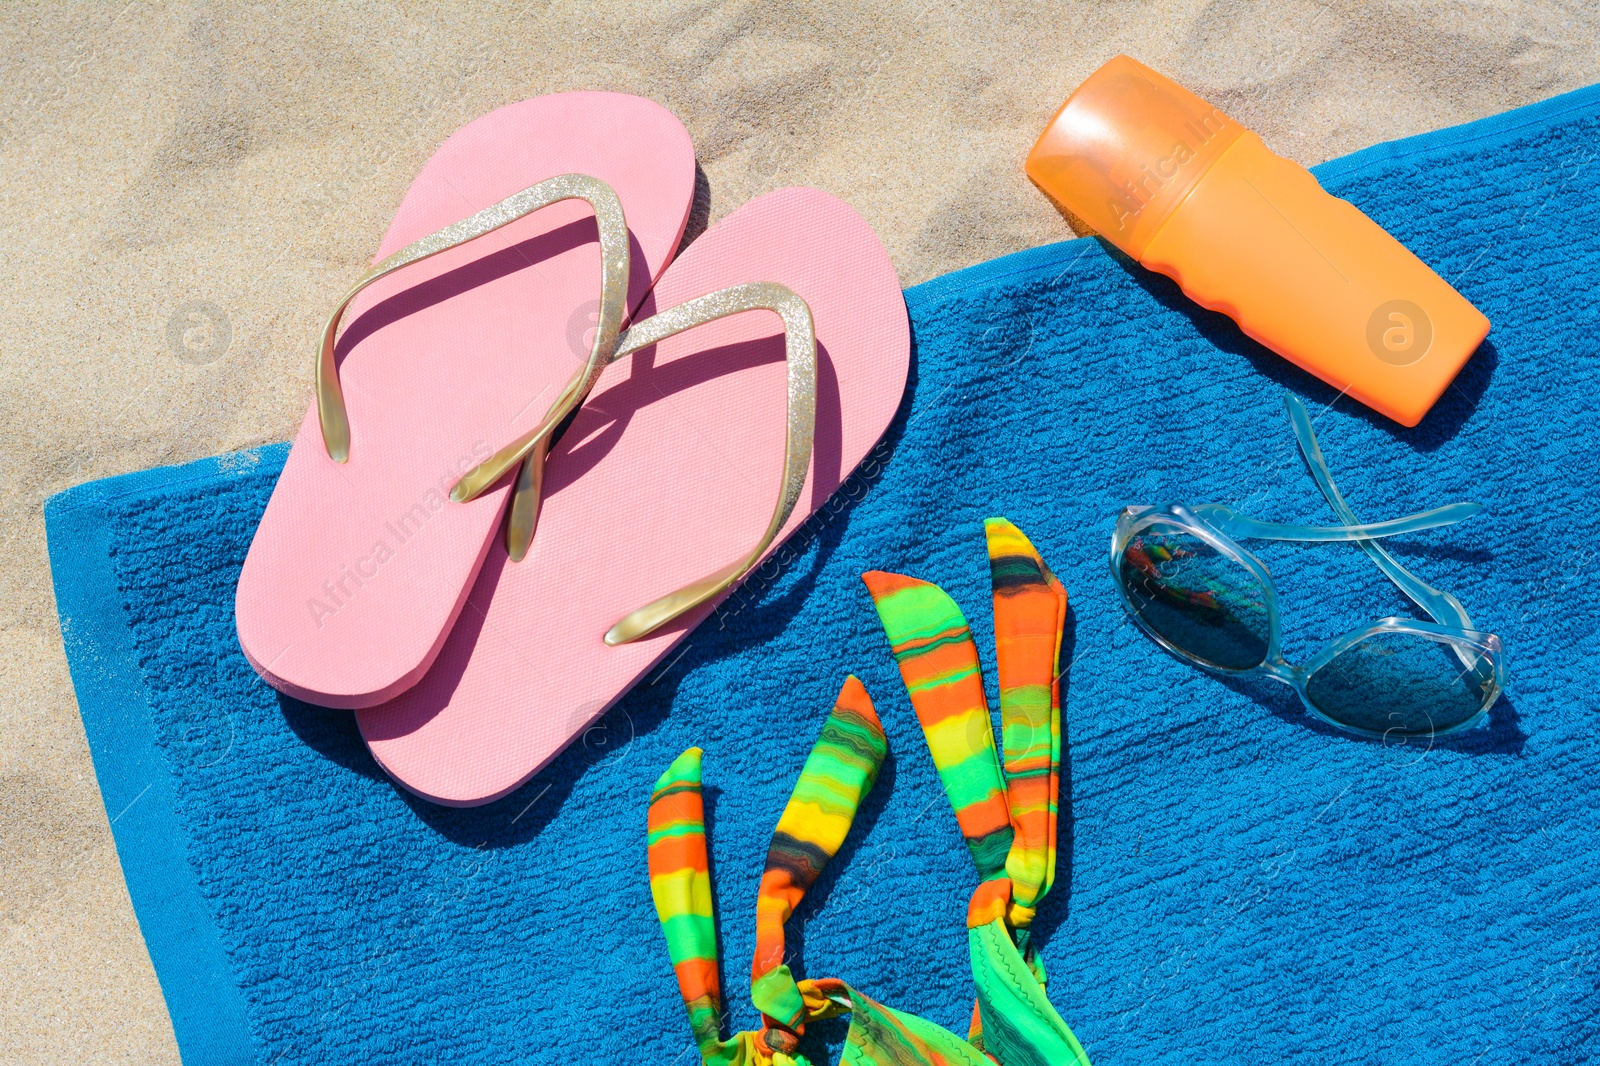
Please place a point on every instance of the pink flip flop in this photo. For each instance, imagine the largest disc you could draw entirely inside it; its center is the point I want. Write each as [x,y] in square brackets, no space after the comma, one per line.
[663,485]
[362,561]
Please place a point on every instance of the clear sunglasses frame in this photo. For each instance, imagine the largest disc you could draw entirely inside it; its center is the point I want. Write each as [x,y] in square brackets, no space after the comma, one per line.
[1217,526]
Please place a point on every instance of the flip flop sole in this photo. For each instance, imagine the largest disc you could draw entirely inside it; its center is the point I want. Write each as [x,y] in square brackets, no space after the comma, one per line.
[358,570]
[671,469]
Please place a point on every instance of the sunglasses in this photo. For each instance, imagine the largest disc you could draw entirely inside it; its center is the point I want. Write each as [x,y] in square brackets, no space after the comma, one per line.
[1189,584]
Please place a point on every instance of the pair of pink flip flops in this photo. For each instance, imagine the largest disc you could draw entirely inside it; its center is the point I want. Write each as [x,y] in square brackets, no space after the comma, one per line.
[489,320]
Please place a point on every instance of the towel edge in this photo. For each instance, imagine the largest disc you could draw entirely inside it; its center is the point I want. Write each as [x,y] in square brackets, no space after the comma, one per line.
[198,984]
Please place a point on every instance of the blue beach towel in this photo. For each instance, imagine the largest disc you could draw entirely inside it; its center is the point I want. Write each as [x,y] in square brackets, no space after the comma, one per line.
[1238,883]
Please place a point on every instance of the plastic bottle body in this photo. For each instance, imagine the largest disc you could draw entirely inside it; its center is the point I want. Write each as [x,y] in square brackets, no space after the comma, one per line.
[1251,234]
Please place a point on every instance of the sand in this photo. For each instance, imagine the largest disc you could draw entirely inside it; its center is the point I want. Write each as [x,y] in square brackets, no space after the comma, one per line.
[239,164]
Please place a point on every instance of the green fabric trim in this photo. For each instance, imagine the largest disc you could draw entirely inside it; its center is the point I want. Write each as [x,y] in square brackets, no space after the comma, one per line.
[1020,1027]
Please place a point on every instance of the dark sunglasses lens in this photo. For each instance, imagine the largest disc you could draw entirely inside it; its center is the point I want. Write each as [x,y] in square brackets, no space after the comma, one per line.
[1198,599]
[1402,684]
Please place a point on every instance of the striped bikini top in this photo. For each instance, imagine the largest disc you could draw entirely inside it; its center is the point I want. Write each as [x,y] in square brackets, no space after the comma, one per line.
[1007,816]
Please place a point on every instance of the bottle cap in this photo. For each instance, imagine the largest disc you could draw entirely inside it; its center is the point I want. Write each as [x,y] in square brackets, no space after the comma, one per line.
[1126,148]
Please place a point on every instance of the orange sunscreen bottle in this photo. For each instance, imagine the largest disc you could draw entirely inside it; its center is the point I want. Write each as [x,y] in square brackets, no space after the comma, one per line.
[1187,191]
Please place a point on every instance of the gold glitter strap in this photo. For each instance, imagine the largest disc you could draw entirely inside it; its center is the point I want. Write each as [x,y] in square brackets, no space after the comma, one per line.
[800,354]
[613,229]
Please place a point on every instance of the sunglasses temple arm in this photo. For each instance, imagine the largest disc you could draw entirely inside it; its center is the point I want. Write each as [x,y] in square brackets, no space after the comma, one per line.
[1238,525]
[1444,607]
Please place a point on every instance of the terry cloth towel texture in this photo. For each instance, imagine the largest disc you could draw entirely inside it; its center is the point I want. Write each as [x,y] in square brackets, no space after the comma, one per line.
[1238,883]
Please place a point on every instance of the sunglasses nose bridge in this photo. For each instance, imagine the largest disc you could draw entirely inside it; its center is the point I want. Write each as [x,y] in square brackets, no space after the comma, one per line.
[1279,669]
